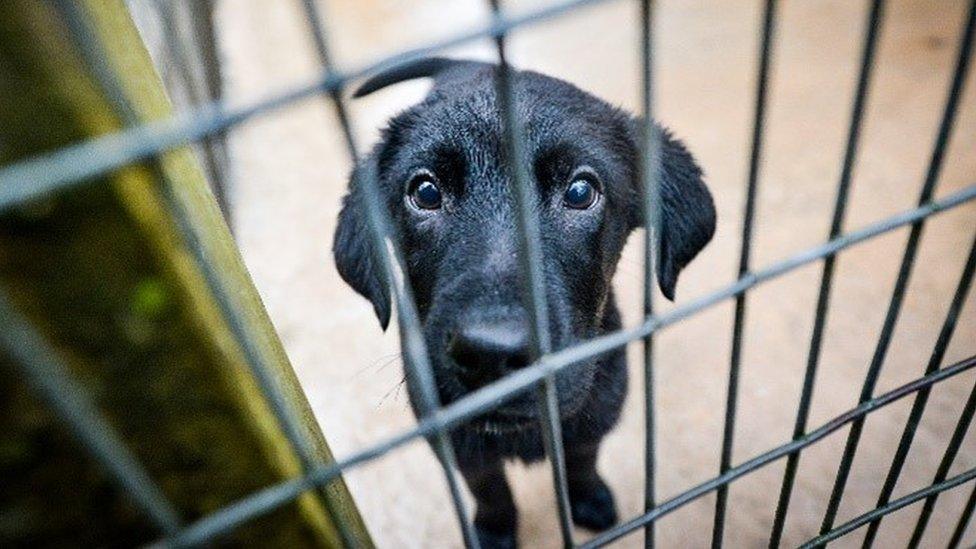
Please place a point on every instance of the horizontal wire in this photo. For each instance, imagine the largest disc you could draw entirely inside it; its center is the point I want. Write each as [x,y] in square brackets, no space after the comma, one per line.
[932,177]
[895,505]
[858,109]
[748,218]
[781,451]
[531,259]
[41,367]
[275,496]
[510,386]
[963,523]
[37,176]
[945,464]
[921,399]
[415,351]
[269,384]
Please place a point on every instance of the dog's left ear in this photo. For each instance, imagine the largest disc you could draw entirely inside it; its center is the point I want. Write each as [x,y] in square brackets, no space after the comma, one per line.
[353,249]
[687,210]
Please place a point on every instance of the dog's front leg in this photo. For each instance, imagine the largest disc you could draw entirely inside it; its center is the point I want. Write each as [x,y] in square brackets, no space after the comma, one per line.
[591,500]
[495,520]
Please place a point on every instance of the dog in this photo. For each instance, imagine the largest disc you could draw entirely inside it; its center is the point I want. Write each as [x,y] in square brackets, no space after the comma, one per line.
[444,181]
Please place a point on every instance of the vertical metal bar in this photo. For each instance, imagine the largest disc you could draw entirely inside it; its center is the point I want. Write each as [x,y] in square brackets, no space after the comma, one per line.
[531,258]
[952,449]
[77,164]
[761,460]
[320,40]
[872,26]
[964,517]
[762,80]
[649,163]
[387,250]
[911,248]
[213,147]
[895,505]
[42,368]
[85,38]
[955,441]
[176,48]
[921,399]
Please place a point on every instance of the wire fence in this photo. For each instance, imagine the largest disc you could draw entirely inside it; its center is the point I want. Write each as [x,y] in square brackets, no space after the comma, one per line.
[82,162]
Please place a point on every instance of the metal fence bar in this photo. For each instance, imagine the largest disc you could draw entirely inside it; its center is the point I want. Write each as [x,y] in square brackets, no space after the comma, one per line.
[770,456]
[649,165]
[921,399]
[873,26]
[899,503]
[72,165]
[317,30]
[212,147]
[490,396]
[531,258]
[510,386]
[205,36]
[385,247]
[228,517]
[415,357]
[34,177]
[320,40]
[256,362]
[43,370]
[964,517]
[265,501]
[755,157]
[952,449]
[908,259]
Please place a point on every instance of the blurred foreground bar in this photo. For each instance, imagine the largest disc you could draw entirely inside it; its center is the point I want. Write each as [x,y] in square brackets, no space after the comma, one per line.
[108,274]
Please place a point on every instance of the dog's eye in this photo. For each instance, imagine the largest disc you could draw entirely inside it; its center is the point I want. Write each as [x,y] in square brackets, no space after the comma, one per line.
[581,194]
[424,192]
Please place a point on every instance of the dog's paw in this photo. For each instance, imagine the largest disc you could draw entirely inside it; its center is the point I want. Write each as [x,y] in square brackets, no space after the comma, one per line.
[594,509]
[489,539]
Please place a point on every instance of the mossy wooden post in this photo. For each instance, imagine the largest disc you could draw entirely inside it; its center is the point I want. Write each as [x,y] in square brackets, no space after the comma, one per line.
[110,273]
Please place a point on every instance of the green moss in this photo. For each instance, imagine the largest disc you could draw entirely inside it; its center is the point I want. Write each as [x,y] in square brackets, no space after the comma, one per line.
[149,298]
[89,281]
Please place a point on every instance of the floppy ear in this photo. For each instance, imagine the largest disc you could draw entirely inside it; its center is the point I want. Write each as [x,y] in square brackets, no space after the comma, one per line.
[353,249]
[687,211]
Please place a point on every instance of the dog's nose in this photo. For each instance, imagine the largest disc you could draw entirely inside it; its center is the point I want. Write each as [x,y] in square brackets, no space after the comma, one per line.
[486,351]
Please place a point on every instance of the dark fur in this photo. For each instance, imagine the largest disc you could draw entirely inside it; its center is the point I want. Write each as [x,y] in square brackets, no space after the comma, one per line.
[462,260]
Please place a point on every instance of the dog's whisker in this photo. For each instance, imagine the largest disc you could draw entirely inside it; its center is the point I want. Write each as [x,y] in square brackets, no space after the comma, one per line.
[395,389]
[396,359]
[378,364]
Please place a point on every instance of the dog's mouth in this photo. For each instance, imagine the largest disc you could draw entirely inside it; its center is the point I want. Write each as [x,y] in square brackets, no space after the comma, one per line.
[517,414]
[503,421]
[494,427]
[457,379]
[523,412]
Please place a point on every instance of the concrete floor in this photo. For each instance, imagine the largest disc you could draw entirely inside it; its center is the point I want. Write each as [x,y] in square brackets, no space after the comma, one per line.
[290,174]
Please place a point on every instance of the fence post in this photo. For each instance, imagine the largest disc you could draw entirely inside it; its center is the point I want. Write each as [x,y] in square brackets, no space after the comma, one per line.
[134,280]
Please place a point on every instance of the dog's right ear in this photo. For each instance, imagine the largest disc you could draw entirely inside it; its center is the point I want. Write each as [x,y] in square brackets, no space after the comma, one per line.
[353,250]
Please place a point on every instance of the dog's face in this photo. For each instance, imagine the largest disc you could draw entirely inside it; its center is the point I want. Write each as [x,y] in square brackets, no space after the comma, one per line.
[443,176]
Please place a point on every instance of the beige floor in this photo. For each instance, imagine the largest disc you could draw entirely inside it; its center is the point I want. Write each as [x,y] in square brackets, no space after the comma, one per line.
[290,174]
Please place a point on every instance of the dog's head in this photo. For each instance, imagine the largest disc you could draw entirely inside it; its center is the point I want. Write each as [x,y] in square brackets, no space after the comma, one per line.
[443,176]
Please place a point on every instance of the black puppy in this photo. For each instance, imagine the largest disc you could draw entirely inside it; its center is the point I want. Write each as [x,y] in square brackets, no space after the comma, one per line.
[443,177]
